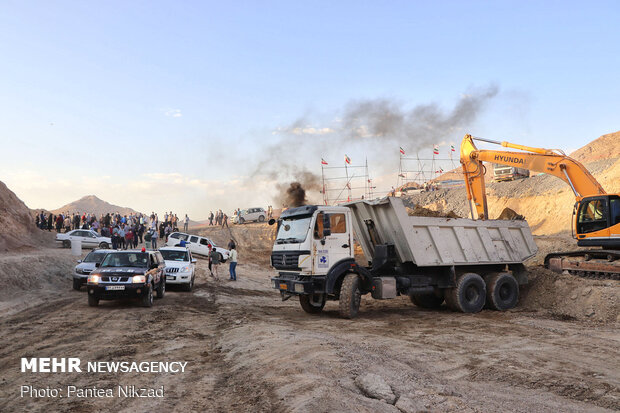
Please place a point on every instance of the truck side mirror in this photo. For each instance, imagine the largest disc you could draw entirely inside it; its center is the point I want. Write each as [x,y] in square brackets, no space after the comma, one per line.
[327,231]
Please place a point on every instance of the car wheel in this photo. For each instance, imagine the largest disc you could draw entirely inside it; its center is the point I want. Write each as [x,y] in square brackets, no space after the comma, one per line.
[66,243]
[261,218]
[241,220]
[92,300]
[161,290]
[104,245]
[189,286]
[147,298]
[76,284]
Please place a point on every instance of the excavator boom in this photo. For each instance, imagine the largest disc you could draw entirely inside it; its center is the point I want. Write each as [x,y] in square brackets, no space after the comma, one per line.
[597,214]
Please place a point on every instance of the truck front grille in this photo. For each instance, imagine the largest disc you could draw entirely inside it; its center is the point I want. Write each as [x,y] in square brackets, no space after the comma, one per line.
[286,260]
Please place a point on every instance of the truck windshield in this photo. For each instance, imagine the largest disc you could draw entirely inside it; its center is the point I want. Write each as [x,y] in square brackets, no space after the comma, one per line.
[125,259]
[293,230]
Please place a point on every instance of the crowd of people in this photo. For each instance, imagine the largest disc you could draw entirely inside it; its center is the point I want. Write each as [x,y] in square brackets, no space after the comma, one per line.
[129,230]
[125,230]
[219,218]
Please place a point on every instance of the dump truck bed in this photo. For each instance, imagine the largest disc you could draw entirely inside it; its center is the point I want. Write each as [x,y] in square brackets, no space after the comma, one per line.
[432,241]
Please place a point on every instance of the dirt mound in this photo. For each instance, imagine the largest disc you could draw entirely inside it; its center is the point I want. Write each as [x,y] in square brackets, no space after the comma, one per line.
[420,211]
[510,214]
[568,297]
[605,147]
[17,227]
[94,205]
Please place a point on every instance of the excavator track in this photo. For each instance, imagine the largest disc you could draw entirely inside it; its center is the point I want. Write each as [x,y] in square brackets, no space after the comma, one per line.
[594,264]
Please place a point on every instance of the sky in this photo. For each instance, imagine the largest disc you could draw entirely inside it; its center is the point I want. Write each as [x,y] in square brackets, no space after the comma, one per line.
[192,106]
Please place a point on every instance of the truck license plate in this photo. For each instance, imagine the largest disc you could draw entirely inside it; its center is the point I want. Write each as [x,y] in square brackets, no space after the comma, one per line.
[283,286]
[114,287]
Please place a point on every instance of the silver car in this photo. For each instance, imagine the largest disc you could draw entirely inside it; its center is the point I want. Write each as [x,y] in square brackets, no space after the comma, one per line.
[251,214]
[88,237]
[86,266]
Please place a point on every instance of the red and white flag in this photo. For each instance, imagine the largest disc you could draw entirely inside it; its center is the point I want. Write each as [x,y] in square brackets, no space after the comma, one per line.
[440,171]
[436,149]
[323,162]
[402,151]
[347,159]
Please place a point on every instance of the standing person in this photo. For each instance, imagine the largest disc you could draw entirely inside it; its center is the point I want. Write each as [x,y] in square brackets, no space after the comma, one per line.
[50,222]
[121,237]
[214,257]
[129,238]
[211,218]
[224,220]
[153,238]
[232,258]
[67,224]
[147,238]
[186,223]
[141,231]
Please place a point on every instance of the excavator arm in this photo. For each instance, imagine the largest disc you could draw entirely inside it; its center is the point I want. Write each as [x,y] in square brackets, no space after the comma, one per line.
[535,159]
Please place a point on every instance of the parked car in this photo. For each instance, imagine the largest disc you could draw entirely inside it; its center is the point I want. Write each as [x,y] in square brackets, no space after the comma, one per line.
[128,274]
[252,214]
[89,238]
[180,268]
[197,245]
[86,266]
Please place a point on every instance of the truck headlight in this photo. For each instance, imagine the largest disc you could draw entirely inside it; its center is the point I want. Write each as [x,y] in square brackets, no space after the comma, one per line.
[95,279]
[138,279]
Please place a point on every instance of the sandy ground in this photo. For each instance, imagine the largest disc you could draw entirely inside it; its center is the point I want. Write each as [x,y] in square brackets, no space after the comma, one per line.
[249,351]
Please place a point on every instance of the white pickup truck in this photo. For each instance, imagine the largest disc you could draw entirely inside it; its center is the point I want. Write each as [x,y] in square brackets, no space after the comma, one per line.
[196,244]
[466,263]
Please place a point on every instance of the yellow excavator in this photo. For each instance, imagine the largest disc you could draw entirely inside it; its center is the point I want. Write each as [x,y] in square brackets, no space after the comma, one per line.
[596,214]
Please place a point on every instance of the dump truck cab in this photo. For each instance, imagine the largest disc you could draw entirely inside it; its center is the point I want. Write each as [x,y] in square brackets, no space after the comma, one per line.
[311,239]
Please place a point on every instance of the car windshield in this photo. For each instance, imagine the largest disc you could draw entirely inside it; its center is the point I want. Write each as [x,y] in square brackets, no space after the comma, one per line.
[293,230]
[170,255]
[94,256]
[126,259]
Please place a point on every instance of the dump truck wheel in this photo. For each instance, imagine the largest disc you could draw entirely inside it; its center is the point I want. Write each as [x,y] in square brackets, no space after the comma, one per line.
[312,304]
[469,294]
[502,292]
[426,300]
[350,296]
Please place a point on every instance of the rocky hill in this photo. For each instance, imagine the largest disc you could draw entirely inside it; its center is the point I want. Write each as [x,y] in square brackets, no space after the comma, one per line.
[94,205]
[605,147]
[17,227]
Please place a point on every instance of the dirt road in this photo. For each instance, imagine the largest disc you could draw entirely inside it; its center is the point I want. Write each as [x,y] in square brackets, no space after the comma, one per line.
[249,351]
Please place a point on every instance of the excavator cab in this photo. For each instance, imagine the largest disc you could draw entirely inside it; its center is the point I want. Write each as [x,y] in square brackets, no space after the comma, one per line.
[596,217]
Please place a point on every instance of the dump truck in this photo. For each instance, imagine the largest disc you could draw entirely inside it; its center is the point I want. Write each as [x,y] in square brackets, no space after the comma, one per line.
[467,263]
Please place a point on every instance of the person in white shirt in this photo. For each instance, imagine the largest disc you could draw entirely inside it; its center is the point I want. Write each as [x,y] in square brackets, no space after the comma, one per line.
[232,259]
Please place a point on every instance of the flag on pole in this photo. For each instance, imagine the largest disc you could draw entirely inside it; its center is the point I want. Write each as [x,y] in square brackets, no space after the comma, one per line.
[452,148]
[323,162]
[440,171]
[401,175]
[347,159]
[402,151]
[436,149]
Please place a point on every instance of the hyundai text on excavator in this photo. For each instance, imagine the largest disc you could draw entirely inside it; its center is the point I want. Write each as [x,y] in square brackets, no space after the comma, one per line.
[596,214]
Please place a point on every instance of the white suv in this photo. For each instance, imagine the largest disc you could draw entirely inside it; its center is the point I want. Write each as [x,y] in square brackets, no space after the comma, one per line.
[196,244]
[252,214]
[180,268]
